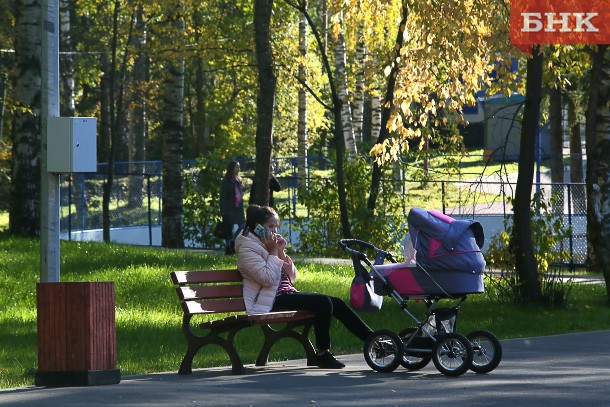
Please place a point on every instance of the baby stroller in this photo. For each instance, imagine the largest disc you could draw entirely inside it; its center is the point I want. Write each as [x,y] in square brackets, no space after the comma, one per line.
[447,263]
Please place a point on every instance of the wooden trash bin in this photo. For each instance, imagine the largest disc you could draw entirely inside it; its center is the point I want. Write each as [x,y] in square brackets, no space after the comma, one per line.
[76,334]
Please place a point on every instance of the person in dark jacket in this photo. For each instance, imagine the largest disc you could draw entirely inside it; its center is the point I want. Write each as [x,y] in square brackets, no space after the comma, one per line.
[274,185]
[232,204]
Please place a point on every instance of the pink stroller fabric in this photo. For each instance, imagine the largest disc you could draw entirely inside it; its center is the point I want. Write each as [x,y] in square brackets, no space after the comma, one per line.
[411,280]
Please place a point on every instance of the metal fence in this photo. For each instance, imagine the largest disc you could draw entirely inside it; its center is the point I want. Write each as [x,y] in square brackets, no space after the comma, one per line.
[135,199]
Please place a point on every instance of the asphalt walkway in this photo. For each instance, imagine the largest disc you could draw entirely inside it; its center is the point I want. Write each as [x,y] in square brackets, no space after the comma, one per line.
[560,370]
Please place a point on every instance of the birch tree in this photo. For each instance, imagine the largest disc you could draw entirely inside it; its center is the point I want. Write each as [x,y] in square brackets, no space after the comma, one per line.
[342,89]
[450,50]
[172,227]
[302,148]
[375,117]
[138,109]
[335,107]
[116,146]
[358,105]
[66,62]
[24,212]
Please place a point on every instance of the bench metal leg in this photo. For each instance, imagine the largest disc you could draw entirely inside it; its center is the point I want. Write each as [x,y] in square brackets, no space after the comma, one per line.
[196,342]
[273,335]
[186,367]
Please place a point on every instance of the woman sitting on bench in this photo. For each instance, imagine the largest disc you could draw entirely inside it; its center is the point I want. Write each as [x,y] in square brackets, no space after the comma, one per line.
[269,274]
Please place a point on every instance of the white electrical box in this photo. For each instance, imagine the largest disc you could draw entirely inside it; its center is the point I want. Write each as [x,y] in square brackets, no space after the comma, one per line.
[71,144]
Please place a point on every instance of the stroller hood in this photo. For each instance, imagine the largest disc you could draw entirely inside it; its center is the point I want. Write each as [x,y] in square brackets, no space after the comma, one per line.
[444,243]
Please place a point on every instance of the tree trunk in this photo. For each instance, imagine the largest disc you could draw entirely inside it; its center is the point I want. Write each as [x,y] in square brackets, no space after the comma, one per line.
[346,109]
[66,62]
[603,170]
[172,211]
[103,141]
[3,86]
[66,86]
[265,100]
[522,245]
[386,107]
[110,147]
[342,192]
[578,193]
[594,217]
[375,117]
[358,111]
[24,213]
[556,142]
[336,110]
[138,116]
[201,134]
[603,149]
[118,148]
[302,146]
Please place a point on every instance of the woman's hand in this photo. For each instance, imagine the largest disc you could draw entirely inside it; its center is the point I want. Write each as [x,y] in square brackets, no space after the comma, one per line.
[270,242]
[281,245]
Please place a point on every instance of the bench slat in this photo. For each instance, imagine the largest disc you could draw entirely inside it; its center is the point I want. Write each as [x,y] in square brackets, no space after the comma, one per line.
[212,306]
[205,276]
[213,291]
[279,317]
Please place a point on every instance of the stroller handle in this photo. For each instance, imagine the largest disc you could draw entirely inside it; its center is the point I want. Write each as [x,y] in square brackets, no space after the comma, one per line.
[343,243]
[381,254]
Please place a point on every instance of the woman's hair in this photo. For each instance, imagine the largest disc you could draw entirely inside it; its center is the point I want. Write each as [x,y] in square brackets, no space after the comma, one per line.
[258,214]
[230,168]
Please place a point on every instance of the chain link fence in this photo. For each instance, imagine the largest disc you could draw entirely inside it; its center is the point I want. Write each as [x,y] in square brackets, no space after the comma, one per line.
[135,199]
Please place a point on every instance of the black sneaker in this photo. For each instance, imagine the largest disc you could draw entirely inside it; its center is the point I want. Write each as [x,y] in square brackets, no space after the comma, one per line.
[328,361]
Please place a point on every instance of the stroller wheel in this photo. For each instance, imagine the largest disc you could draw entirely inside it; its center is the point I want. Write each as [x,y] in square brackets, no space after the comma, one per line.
[412,360]
[452,354]
[487,351]
[383,350]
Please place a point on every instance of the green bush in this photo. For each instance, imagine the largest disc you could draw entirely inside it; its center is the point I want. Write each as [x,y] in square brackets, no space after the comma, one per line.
[548,233]
[202,200]
[321,226]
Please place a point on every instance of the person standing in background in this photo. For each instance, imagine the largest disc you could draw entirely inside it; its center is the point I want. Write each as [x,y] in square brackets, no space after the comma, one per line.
[274,185]
[232,204]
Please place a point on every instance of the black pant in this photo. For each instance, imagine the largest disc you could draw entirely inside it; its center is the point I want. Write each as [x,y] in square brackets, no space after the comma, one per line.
[324,306]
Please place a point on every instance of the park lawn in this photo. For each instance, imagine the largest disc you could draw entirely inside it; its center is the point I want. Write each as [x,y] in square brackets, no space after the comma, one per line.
[148,315]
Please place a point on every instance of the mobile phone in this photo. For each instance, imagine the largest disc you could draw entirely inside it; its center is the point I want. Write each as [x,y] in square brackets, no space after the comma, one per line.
[260,231]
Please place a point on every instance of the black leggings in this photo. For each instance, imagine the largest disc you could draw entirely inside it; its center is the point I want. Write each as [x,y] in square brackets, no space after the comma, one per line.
[324,306]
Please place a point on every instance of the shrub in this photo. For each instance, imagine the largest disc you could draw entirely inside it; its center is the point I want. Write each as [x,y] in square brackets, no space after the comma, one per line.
[548,233]
[202,200]
[321,226]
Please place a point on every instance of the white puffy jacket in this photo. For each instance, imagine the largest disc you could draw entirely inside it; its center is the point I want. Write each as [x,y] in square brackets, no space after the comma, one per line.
[261,273]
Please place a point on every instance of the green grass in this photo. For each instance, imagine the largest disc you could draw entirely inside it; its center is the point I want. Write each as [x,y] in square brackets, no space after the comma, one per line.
[148,315]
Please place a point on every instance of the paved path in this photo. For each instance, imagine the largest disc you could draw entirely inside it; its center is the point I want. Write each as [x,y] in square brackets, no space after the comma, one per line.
[554,371]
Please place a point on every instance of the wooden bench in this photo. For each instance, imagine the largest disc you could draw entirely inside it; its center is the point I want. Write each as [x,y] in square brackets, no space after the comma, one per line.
[205,292]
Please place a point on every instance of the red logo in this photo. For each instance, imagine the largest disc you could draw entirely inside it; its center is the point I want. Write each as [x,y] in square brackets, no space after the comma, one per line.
[559,22]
